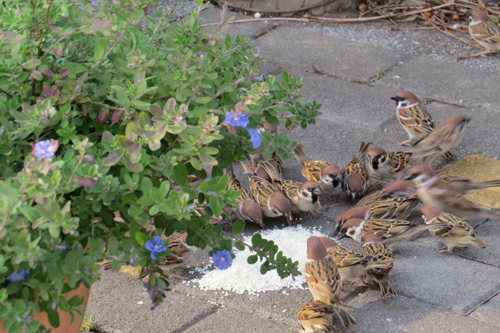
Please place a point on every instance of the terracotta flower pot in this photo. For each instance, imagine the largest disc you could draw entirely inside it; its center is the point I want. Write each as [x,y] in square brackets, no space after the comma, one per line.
[65,318]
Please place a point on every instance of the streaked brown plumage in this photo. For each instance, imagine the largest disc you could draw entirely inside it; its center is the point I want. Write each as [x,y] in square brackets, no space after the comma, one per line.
[270,199]
[454,233]
[355,175]
[391,231]
[247,209]
[317,317]
[388,165]
[382,256]
[484,31]
[413,116]
[324,280]
[448,193]
[441,140]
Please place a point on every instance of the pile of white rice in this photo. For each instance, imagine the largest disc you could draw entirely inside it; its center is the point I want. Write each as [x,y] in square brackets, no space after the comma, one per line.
[242,277]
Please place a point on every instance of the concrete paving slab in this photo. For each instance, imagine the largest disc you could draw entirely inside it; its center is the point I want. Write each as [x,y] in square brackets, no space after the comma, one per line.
[224,320]
[446,82]
[349,102]
[489,312]
[446,281]
[298,45]
[405,314]
[212,15]
[120,304]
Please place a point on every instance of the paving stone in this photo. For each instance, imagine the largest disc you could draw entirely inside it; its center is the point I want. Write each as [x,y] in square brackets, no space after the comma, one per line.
[405,314]
[121,304]
[446,281]
[489,312]
[349,102]
[298,45]
[444,81]
[225,320]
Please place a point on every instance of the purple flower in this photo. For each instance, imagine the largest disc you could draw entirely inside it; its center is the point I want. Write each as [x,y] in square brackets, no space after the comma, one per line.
[18,275]
[44,149]
[54,306]
[62,247]
[222,259]
[257,52]
[237,119]
[254,137]
[261,77]
[155,245]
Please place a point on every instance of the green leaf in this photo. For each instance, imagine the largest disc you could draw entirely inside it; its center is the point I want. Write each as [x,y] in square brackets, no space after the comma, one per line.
[112,245]
[53,318]
[146,185]
[112,159]
[207,159]
[37,75]
[238,226]
[135,210]
[180,174]
[133,167]
[32,63]
[256,240]
[101,46]
[164,188]
[196,163]
[96,206]
[141,238]
[239,245]
[252,259]
[203,99]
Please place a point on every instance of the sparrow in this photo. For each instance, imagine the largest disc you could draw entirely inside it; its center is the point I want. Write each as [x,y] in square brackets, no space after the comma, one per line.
[261,171]
[247,209]
[181,254]
[355,175]
[388,165]
[350,264]
[316,317]
[413,116]
[380,254]
[415,119]
[484,31]
[391,231]
[448,193]
[272,202]
[379,205]
[324,280]
[454,233]
[327,174]
[441,140]
[303,196]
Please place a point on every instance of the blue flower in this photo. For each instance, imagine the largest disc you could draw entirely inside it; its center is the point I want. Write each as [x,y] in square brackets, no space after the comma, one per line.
[261,77]
[156,245]
[18,275]
[237,119]
[254,137]
[152,293]
[44,149]
[222,259]
[257,52]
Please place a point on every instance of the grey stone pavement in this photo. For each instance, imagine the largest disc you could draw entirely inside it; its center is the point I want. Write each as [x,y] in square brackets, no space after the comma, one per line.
[352,70]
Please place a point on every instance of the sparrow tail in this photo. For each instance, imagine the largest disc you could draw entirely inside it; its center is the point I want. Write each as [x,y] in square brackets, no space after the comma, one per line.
[479,243]
[387,288]
[344,316]
[300,154]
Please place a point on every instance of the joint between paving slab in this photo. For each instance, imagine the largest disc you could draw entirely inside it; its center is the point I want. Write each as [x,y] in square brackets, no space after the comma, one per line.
[483,303]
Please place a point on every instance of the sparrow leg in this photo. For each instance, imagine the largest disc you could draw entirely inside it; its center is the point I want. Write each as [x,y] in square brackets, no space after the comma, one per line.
[405,143]
[444,250]
[313,214]
[320,206]
[290,223]
[362,284]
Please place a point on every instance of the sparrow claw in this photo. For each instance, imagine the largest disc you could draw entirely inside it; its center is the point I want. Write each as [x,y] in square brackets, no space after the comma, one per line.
[444,250]
[320,206]
[313,214]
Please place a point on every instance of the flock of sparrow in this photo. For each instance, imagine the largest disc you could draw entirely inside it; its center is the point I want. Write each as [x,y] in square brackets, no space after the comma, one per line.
[378,219]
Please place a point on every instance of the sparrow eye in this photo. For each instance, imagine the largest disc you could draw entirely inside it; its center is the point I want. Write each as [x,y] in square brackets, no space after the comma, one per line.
[404,103]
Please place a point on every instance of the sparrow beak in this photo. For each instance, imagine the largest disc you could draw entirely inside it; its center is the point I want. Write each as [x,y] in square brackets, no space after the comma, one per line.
[341,235]
[396,99]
